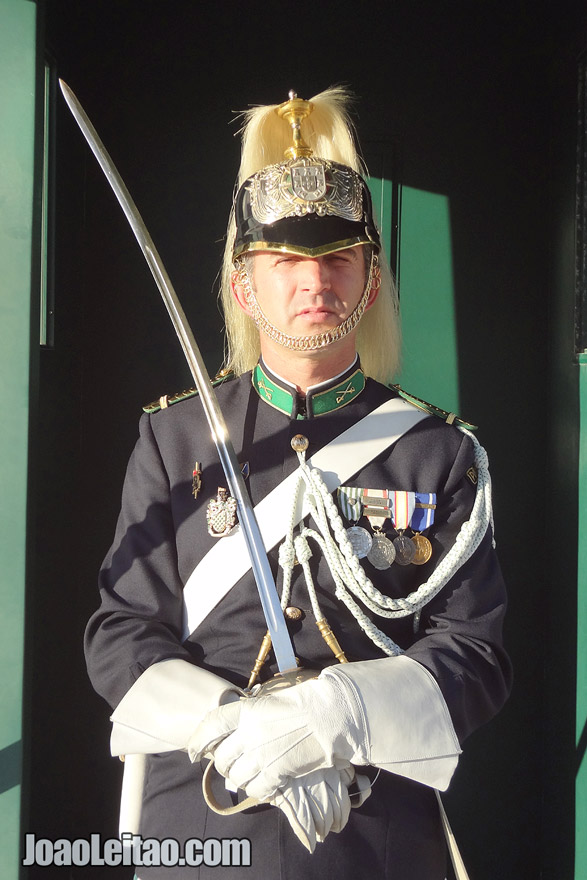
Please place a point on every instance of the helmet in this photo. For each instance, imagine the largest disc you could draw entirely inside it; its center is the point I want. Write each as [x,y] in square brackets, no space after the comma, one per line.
[304,205]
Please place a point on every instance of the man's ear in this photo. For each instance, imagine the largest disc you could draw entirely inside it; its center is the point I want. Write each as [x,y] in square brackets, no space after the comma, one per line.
[239,292]
[374,292]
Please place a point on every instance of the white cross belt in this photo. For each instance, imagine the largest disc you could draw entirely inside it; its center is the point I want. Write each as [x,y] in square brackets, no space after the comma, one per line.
[226,563]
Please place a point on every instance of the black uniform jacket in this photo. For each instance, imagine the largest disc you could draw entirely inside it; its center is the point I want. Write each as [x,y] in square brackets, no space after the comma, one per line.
[161,536]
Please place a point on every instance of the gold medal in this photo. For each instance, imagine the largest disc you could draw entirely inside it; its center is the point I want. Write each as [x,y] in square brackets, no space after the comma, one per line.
[423,549]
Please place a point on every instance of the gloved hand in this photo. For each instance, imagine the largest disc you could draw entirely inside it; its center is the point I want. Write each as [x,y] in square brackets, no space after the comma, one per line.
[316,804]
[262,742]
[389,713]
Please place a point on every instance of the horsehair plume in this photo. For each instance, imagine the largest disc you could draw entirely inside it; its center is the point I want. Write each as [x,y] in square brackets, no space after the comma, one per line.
[328,131]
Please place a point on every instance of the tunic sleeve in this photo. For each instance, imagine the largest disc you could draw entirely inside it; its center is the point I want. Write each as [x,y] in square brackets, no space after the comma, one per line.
[461,639]
[139,621]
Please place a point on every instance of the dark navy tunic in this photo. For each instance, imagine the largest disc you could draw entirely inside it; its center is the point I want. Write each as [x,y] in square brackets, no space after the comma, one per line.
[162,535]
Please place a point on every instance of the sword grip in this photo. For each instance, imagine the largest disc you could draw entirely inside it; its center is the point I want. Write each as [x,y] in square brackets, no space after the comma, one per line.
[278,682]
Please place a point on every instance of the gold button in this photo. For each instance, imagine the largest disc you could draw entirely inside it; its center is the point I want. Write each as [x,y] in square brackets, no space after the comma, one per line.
[293,613]
[299,443]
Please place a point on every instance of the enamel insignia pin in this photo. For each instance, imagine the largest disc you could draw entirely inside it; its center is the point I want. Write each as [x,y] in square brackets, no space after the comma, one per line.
[196,479]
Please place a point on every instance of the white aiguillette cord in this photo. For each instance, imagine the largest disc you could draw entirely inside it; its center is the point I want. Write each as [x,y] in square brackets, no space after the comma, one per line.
[228,560]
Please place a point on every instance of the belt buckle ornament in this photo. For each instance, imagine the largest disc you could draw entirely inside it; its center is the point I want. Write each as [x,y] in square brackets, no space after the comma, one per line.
[221,514]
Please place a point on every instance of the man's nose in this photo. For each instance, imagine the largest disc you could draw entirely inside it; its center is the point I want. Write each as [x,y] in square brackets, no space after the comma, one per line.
[315,275]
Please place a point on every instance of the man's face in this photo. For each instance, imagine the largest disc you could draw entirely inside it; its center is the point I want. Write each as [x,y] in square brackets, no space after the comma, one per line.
[304,296]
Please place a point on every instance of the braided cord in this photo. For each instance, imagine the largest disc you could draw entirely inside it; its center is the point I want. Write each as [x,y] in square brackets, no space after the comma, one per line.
[346,569]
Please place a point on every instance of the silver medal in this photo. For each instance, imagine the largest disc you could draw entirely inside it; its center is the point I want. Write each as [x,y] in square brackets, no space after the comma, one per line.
[382,552]
[405,550]
[361,541]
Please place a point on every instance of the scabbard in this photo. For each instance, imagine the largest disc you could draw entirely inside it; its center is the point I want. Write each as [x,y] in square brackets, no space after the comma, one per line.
[131,796]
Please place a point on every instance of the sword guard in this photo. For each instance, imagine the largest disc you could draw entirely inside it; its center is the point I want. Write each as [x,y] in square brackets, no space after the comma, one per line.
[279,682]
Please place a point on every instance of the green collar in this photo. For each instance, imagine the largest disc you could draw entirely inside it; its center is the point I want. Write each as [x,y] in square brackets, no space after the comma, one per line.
[318,400]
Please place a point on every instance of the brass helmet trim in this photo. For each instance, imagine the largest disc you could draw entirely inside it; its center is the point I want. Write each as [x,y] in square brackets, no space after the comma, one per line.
[312,228]
[322,250]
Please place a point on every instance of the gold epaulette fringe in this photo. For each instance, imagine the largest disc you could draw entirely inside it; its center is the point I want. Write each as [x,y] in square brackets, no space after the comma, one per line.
[448,417]
[166,401]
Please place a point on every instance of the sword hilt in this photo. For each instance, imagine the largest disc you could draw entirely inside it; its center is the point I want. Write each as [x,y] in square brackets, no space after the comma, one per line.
[277,683]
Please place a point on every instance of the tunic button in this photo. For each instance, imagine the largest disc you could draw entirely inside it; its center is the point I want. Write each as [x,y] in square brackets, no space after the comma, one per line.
[299,443]
[293,613]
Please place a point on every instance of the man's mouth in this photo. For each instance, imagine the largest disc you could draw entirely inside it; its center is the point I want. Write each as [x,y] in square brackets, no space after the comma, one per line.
[319,311]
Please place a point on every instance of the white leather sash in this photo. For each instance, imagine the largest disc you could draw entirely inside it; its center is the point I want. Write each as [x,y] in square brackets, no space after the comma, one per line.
[228,560]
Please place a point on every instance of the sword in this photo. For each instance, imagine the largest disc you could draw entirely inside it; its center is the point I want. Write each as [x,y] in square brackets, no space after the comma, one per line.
[270,604]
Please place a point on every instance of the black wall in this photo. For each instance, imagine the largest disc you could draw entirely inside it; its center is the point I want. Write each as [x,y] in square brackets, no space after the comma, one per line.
[463,96]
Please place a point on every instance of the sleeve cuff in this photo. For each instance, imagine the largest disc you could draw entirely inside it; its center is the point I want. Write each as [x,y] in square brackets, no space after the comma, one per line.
[408,725]
[162,708]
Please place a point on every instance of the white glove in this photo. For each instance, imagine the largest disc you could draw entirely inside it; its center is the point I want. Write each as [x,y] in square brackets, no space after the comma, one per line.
[164,705]
[389,713]
[316,804]
[158,714]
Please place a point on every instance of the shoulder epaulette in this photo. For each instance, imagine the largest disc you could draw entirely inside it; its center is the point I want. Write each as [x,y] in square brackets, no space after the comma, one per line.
[448,417]
[166,401]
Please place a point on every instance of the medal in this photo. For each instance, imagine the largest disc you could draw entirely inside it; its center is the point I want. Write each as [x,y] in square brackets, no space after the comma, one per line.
[221,514]
[349,499]
[423,515]
[382,552]
[423,549]
[405,550]
[361,541]
[376,507]
[402,507]
[403,504]
[422,518]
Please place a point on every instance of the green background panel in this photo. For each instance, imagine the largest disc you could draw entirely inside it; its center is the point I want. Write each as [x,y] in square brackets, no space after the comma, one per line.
[430,360]
[425,278]
[581,721]
[17,111]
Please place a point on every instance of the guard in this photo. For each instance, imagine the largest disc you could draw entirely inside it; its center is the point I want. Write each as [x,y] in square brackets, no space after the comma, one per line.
[380,543]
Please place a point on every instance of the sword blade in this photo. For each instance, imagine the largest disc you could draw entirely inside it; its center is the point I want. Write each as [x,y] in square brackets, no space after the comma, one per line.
[259,563]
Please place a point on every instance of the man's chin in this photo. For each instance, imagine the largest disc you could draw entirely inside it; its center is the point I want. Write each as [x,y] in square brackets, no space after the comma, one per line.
[312,325]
